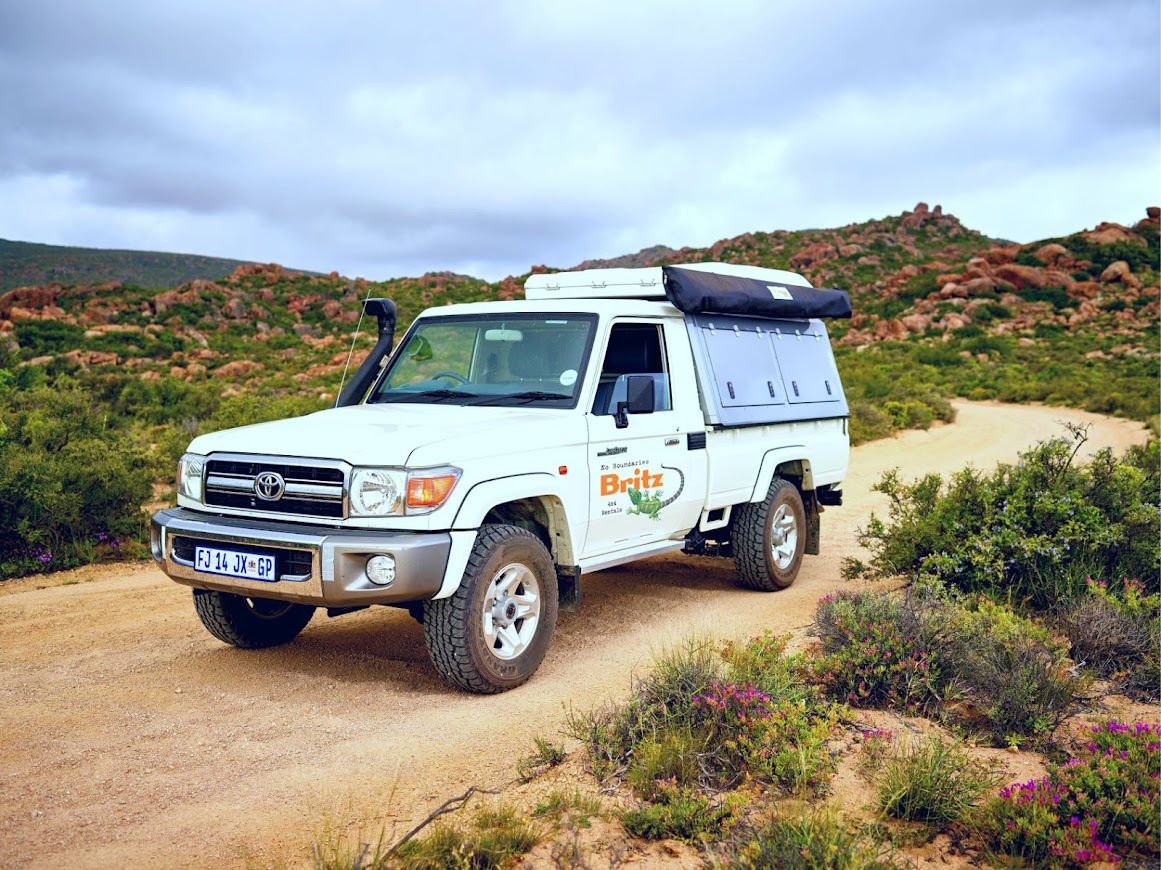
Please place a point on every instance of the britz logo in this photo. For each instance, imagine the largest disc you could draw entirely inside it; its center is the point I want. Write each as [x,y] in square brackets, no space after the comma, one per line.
[269,486]
[611,484]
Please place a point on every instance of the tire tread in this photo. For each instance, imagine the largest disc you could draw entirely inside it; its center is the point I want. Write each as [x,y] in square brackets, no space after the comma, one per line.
[446,621]
[228,618]
[749,539]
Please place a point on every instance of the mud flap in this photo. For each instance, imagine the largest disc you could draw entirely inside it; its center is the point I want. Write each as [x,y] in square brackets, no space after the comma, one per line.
[568,587]
[813,526]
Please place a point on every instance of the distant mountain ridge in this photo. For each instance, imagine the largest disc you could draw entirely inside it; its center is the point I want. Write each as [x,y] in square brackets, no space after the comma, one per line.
[24,264]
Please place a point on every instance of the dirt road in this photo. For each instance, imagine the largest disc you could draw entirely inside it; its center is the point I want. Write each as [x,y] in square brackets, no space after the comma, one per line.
[129,736]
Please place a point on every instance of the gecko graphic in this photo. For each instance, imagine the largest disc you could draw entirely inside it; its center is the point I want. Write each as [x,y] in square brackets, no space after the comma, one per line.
[649,505]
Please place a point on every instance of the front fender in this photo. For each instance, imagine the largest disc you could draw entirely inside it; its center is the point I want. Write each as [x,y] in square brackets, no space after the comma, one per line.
[484,496]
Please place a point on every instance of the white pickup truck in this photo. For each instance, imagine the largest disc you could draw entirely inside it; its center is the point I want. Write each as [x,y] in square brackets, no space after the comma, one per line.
[507,448]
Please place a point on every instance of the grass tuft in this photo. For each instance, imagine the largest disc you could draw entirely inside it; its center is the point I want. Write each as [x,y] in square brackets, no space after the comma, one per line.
[933,782]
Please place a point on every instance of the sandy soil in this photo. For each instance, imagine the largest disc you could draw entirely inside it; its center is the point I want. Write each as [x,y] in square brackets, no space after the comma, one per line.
[129,736]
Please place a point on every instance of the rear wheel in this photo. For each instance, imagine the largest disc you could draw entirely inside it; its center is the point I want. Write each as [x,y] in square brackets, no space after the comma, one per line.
[492,634]
[769,538]
[250,623]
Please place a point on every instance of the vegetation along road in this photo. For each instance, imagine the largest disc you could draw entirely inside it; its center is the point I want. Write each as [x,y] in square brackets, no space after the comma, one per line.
[129,736]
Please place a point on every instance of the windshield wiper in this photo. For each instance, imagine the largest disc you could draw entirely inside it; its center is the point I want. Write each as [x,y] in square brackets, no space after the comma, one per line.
[425,396]
[524,397]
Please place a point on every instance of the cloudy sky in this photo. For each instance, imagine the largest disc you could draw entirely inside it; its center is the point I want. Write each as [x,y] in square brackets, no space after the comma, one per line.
[389,138]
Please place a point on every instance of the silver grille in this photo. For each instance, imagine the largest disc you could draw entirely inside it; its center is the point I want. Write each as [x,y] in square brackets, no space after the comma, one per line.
[316,488]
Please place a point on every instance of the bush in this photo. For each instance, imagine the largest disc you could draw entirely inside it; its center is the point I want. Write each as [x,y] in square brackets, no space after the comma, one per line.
[41,337]
[934,783]
[1103,804]
[1031,532]
[1017,673]
[1117,634]
[915,650]
[546,756]
[815,842]
[875,650]
[694,723]
[71,485]
[762,663]
[679,814]
[493,839]
[1057,297]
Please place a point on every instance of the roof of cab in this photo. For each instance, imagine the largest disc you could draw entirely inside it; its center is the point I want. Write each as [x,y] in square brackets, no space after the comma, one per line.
[602,306]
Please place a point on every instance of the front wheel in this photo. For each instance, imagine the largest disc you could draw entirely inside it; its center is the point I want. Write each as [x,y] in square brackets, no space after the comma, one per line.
[250,623]
[769,538]
[492,634]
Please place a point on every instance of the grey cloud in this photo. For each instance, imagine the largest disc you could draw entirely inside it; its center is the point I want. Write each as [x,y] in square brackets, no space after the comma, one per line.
[362,136]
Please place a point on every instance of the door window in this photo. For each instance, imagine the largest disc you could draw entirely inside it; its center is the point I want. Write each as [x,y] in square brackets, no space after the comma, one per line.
[634,349]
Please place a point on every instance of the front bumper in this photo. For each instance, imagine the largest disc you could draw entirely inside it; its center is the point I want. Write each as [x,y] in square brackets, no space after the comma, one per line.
[315,564]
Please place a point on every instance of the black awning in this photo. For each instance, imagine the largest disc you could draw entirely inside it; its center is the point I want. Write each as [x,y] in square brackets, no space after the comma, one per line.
[697,292]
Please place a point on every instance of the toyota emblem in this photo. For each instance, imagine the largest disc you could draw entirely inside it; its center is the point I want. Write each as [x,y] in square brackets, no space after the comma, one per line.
[269,486]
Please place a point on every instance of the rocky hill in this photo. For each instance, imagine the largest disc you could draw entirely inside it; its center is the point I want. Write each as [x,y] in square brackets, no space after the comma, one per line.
[935,302]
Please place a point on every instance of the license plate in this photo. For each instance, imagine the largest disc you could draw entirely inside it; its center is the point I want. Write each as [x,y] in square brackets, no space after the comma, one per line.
[235,564]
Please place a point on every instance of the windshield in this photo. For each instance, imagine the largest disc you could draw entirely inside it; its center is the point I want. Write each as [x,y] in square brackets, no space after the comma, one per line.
[517,359]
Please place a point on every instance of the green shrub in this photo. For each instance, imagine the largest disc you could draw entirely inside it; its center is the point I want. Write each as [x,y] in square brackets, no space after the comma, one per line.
[71,485]
[1057,297]
[693,723]
[875,650]
[814,842]
[909,415]
[41,337]
[914,650]
[990,311]
[1017,673]
[1116,634]
[576,806]
[868,423]
[680,814]
[1028,532]
[546,756]
[493,839]
[933,782]
[1103,805]
[762,662]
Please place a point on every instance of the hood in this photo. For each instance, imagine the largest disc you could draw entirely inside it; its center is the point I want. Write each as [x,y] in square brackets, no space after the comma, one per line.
[384,434]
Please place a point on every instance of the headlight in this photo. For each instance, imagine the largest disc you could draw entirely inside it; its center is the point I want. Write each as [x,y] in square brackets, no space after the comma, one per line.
[377,492]
[190,469]
[385,492]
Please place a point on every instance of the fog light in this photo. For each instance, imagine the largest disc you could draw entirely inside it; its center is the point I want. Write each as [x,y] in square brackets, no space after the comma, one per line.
[381,570]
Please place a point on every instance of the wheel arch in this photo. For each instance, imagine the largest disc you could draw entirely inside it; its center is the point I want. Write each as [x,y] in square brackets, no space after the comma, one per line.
[531,501]
[791,463]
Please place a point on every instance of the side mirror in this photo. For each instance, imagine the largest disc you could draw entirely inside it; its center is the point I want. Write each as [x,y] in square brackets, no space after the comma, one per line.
[639,399]
[639,392]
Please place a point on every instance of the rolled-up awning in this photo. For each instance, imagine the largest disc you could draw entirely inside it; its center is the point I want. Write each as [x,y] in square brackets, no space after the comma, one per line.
[701,292]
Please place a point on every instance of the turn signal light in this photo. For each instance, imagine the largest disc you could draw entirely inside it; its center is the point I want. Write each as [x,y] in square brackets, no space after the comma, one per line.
[429,492]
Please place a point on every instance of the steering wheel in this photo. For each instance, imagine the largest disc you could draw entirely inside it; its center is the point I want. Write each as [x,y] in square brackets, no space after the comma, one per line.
[459,379]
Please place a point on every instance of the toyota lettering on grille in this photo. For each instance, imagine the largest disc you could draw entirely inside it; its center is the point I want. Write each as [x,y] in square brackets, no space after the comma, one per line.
[269,486]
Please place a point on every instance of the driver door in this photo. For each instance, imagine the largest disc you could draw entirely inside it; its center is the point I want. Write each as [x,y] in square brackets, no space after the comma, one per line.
[645,484]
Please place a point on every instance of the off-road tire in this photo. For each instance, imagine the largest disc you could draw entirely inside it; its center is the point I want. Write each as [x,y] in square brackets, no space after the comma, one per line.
[453,627]
[753,538]
[250,623]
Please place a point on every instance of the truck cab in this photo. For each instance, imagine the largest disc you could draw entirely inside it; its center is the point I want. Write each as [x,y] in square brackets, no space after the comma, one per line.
[474,473]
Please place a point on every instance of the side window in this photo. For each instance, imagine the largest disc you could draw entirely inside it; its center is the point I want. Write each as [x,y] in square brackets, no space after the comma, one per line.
[634,349]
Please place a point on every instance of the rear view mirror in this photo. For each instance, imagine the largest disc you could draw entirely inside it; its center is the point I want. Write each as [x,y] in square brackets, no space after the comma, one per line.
[503,335]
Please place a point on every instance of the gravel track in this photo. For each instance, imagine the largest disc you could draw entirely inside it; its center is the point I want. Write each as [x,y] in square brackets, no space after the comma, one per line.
[130,736]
